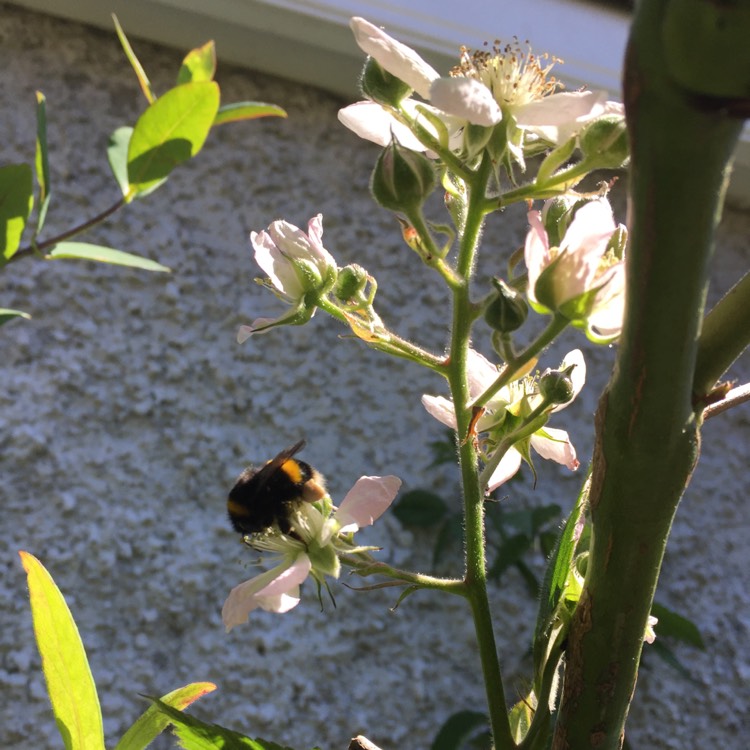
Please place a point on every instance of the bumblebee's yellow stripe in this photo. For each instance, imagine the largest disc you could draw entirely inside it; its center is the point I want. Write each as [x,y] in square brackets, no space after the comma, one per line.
[291,468]
[237,509]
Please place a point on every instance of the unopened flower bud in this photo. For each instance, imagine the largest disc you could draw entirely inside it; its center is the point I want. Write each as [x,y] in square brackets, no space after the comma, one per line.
[402,179]
[604,143]
[507,310]
[381,86]
[351,281]
[557,386]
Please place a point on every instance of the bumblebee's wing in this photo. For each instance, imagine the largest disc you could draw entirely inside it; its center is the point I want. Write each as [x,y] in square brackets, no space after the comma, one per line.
[267,471]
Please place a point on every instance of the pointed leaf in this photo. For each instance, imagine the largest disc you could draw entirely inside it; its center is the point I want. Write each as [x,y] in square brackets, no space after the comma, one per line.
[420,508]
[153,722]
[555,575]
[117,156]
[449,539]
[172,130]
[7,314]
[69,682]
[140,73]
[674,625]
[199,64]
[195,734]
[16,200]
[510,552]
[42,160]
[246,111]
[669,657]
[101,254]
[458,729]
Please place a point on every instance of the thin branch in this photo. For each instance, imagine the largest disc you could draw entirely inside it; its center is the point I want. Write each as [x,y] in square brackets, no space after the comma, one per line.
[733,397]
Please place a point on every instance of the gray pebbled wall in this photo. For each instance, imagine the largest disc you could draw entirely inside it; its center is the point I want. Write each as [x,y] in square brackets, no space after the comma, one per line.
[128,409]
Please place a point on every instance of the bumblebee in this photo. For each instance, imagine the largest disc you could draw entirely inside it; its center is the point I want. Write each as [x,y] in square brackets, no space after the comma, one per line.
[267,497]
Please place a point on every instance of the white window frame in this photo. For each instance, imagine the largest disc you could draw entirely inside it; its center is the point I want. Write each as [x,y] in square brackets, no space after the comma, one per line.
[309,41]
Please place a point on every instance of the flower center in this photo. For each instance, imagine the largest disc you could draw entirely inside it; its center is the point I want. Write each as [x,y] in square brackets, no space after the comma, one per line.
[514,77]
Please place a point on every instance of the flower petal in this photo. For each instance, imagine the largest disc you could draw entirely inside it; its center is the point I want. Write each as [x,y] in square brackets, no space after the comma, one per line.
[555,445]
[509,464]
[441,408]
[466,98]
[367,501]
[536,250]
[275,590]
[558,117]
[277,267]
[398,59]
[373,123]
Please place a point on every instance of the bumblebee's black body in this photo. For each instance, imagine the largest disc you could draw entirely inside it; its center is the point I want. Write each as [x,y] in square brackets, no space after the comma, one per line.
[264,497]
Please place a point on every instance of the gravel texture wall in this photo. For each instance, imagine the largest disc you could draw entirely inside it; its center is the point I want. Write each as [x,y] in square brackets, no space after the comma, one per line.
[128,409]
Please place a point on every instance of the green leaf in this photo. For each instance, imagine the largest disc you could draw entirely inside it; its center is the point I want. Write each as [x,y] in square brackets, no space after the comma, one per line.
[246,111]
[458,729]
[153,722]
[558,567]
[7,314]
[195,734]
[101,254]
[443,450]
[69,682]
[199,64]
[41,161]
[140,73]
[420,508]
[16,200]
[674,625]
[449,538]
[510,552]
[660,649]
[172,130]
[117,156]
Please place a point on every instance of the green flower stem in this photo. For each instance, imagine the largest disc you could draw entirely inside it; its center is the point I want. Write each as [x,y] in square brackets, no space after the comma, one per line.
[38,247]
[430,254]
[647,438]
[368,567]
[473,497]
[724,336]
[510,372]
[384,340]
[558,184]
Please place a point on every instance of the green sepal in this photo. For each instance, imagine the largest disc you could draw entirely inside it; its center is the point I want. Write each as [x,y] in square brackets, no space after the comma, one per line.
[325,561]
[554,160]
[377,84]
